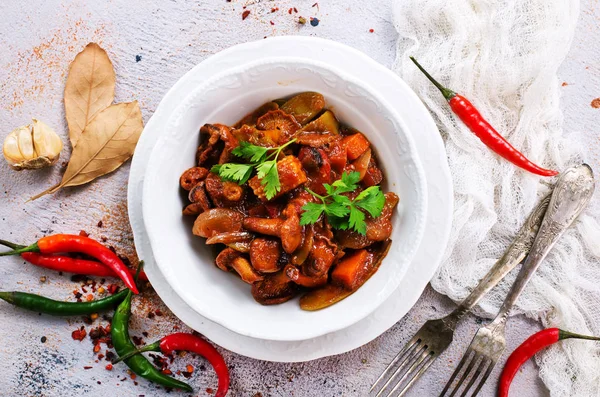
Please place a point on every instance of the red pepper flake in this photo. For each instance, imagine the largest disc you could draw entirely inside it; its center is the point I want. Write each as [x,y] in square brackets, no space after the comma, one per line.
[109,367]
[79,334]
[245,14]
[371,30]
[96,348]
[145,334]
[290,11]
[316,5]
[150,315]
[83,233]
[104,239]
[100,356]
[158,312]
[175,327]
[167,371]
[132,376]
[87,367]
[209,390]
[272,23]
[89,297]
[137,340]
[564,84]
[596,103]
[110,356]
[186,374]
[189,368]
[112,288]
[100,223]
[274,9]
[295,10]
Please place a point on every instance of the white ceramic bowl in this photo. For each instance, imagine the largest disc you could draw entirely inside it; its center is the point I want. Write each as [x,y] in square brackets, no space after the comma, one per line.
[188,264]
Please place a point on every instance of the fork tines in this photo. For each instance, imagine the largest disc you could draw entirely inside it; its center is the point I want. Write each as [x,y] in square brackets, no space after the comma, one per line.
[409,364]
[476,365]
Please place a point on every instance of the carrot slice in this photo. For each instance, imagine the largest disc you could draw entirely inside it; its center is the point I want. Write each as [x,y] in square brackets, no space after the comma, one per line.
[350,270]
[356,145]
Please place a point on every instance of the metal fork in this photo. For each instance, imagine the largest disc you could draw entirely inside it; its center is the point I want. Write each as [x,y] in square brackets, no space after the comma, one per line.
[436,335]
[572,193]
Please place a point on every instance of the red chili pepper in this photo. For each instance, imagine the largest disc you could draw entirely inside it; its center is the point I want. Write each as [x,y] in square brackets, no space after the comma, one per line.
[189,342]
[483,130]
[73,265]
[60,243]
[528,349]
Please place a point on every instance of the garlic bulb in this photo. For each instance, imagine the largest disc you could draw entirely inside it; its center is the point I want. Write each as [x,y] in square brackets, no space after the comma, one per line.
[31,148]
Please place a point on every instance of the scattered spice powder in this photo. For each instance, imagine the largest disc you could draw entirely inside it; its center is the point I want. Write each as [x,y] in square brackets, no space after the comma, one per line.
[564,84]
[245,14]
[274,9]
[596,103]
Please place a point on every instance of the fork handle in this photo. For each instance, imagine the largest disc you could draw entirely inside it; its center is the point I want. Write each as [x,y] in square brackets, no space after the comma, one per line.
[515,253]
[571,194]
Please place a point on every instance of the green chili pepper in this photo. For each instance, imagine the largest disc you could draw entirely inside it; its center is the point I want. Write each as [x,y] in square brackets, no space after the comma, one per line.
[138,363]
[45,305]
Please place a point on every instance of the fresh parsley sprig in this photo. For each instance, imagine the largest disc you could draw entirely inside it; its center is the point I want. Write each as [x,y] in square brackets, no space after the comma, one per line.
[261,159]
[342,212]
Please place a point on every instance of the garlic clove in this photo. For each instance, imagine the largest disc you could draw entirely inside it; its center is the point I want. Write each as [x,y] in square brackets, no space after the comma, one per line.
[11,147]
[25,143]
[30,147]
[46,142]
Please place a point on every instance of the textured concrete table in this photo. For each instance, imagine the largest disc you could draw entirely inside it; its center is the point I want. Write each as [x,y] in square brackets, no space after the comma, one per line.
[152,43]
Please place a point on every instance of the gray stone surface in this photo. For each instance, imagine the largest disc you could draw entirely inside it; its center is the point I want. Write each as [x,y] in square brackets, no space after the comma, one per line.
[38,40]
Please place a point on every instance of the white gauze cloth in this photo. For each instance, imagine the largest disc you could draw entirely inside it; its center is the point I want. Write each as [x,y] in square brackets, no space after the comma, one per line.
[503,55]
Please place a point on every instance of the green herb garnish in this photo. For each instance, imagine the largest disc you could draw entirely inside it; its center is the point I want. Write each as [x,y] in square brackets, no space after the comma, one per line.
[262,159]
[342,212]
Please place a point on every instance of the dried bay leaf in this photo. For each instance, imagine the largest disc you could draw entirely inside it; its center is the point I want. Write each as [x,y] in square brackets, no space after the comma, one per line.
[107,142]
[90,88]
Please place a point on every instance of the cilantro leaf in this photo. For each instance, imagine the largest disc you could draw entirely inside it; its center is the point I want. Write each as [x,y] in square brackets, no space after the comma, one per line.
[371,200]
[233,172]
[356,220]
[328,188]
[348,182]
[336,209]
[255,154]
[269,176]
[312,213]
[338,223]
